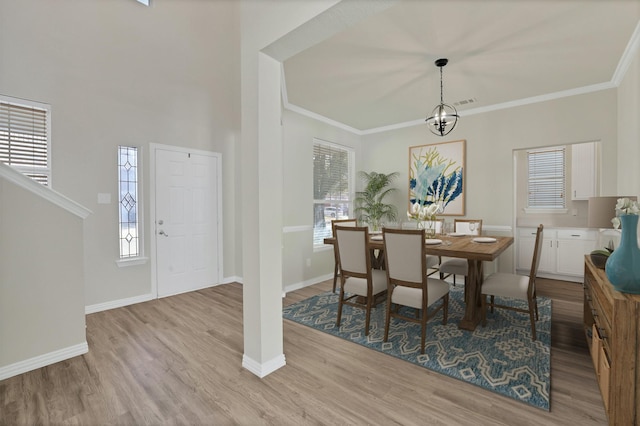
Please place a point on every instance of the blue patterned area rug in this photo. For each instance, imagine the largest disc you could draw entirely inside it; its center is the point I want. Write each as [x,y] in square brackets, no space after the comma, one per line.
[500,357]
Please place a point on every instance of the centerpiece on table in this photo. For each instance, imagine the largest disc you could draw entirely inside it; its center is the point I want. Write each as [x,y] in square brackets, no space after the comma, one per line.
[623,265]
[425,215]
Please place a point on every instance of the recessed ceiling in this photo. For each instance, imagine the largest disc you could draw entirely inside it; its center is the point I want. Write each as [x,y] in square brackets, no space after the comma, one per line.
[380,71]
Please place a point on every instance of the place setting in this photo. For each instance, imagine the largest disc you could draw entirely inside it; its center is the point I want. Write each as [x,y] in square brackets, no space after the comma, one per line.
[484,240]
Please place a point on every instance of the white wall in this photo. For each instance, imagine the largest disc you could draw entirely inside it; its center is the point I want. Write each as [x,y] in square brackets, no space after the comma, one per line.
[627,169]
[299,134]
[628,165]
[118,73]
[42,316]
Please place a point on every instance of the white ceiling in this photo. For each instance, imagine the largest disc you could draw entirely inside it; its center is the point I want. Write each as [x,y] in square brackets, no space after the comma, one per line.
[379,70]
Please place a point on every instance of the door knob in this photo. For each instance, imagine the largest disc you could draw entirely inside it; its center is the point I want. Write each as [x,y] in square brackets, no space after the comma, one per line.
[161,232]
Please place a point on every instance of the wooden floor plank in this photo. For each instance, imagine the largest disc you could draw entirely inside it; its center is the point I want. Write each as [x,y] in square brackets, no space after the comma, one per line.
[177,360]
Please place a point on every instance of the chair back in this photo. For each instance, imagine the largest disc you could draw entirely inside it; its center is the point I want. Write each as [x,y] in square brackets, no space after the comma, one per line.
[405,257]
[462,226]
[535,262]
[353,253]
[342,222]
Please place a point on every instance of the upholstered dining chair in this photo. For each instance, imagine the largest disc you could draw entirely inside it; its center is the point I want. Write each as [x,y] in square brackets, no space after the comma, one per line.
[407,280]
[357,279]
[514,286]
[455,266]
[334,223]
[433,262]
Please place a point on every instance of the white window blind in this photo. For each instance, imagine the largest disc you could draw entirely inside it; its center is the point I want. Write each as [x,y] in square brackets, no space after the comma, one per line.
[24,139]
[547,178]
[332,187]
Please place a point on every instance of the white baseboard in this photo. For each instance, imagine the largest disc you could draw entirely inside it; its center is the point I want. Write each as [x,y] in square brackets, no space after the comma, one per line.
[307,283]
[262,370]
[43,360]
[230,280]
[99,307]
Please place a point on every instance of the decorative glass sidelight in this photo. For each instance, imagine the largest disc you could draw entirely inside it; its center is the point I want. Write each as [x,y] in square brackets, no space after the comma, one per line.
[128,204]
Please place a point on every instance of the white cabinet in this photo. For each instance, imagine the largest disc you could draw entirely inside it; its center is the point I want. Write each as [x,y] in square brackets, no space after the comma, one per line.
[562,254]
[583,171]
[526,242]
[571,246]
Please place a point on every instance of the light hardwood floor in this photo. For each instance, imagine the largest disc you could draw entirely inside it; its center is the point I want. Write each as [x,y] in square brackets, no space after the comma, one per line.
[178,361]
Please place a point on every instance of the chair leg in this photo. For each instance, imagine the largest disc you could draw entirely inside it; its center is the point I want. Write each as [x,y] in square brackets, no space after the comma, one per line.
[465,287]
[340,303]
[483,309]
[445,309]
[335,277]
[493,301]
[532,308]
[387,320]
[368,320]
[423,334]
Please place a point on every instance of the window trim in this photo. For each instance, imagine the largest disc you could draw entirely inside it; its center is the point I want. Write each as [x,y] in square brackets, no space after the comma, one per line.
[40,105]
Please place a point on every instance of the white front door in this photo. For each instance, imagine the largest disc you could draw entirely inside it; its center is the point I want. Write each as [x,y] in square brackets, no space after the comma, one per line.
[186,216]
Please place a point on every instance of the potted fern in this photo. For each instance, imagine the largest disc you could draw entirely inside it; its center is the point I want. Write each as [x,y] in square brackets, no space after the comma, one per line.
[370,205]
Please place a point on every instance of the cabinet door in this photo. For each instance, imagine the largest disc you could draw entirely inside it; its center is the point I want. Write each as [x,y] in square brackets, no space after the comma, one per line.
[548,254]
[526,242]
[572,245]
[583,171]
[525,252]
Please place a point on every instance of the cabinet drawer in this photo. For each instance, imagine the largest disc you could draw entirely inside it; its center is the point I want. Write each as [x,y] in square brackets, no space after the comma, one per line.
[601,309]
[601,365]
[576,234]
[527,232]
[596,345]
[604,376]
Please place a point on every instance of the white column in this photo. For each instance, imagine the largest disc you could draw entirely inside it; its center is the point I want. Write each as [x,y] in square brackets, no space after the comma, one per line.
[262,238]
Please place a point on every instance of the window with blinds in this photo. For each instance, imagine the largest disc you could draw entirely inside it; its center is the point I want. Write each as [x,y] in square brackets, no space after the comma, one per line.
[547,178]
[24,139]
[333,177]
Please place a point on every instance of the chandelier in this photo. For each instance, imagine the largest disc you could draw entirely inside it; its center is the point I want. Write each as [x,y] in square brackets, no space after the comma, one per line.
[444,117]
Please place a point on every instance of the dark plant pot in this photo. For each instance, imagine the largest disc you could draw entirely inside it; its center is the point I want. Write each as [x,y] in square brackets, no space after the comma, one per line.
[599,260]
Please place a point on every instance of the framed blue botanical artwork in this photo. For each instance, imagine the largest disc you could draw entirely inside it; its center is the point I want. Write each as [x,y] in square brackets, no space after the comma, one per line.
[436,175]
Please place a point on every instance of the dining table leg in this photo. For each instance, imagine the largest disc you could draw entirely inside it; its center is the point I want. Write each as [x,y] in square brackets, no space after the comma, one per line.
[472,313]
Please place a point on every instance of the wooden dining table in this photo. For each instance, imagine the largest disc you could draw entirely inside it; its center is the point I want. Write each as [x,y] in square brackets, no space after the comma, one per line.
[461,247]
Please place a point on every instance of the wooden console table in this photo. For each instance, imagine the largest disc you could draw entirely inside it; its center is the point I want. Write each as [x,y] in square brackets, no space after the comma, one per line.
[612,328]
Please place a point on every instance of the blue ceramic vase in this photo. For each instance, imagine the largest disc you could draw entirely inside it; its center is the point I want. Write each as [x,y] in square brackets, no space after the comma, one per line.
[623,266]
